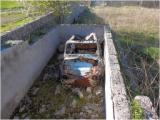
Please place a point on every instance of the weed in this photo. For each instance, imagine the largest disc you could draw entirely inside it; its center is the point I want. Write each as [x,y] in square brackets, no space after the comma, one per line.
[137,111]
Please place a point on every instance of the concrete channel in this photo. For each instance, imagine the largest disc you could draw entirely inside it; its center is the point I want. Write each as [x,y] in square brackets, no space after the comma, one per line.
[22,64]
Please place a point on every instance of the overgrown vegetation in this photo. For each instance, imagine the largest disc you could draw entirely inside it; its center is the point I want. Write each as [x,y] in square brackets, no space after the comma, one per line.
[51,96]
[137,111]
[135,33]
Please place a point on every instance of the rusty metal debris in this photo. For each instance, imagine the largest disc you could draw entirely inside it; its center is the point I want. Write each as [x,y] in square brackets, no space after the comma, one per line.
[82,65]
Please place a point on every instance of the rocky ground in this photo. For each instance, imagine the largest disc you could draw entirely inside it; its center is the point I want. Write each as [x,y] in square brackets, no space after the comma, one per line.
[48,98]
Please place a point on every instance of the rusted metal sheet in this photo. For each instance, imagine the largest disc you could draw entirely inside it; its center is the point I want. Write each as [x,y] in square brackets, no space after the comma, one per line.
[82,61]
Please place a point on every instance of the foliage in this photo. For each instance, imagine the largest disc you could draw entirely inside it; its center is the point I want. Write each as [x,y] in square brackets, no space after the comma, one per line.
[59,8]
[10,5]
[152,52]
[12,25]
[137,111]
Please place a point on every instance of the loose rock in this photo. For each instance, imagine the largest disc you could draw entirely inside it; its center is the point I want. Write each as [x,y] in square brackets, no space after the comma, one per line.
[77,92]
[22,109]
[24,115]
[89,90]
[60,112]
[74,102]
[35,91]
[42,109]
[58,90]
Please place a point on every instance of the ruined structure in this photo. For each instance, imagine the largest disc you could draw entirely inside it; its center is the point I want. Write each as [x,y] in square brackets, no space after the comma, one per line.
[22,64]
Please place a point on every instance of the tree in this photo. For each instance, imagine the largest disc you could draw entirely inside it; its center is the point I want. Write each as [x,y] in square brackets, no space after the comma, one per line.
[59,8]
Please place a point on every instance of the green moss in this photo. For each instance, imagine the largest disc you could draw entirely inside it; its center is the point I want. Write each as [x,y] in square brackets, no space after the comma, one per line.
[137,111]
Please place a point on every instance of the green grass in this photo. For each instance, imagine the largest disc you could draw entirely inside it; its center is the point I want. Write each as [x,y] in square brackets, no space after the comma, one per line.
[10,4]
[11,17]
[152,52]
[13,25]
[137,111]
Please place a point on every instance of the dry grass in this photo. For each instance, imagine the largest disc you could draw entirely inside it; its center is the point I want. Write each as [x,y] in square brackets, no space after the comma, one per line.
[136,30]
[130,19]
[136,34]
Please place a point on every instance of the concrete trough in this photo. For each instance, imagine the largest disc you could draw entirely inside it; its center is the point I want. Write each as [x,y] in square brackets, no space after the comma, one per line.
[23,63]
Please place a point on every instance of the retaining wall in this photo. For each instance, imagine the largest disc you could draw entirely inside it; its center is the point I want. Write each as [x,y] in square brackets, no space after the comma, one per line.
[120,102]
[22,64]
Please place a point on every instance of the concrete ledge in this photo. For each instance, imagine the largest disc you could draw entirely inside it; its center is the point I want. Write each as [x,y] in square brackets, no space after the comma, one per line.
[119,96]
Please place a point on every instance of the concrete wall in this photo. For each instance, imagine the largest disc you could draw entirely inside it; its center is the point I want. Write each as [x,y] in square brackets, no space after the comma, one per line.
[20,33]
[20,66]
[118,92]
[66,31]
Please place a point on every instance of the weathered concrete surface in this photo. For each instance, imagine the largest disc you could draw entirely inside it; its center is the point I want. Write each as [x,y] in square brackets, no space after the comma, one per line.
[119,95]
[20,66]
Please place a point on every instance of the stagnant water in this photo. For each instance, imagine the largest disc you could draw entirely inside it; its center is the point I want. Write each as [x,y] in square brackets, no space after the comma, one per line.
[48,98]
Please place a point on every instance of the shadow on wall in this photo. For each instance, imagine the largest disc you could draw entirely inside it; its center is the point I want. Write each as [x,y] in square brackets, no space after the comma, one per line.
[87,17]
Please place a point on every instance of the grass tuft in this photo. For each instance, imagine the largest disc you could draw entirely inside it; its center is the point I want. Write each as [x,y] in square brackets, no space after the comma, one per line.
[137,111]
